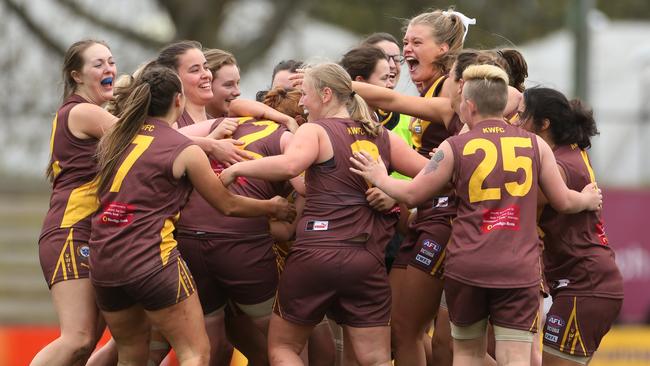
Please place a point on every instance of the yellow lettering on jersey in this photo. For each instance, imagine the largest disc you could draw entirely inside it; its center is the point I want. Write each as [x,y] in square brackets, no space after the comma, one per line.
[56,166]
[241,120]
[67,259]
[367,146]
[82,203]
[475,187]
[142,143]
[493,130]
[356,131]
[167,241]
[512,163]
[148,127]
[269,128]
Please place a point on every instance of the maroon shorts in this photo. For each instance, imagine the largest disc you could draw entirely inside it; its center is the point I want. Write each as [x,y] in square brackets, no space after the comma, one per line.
[347,283]
[576,324]
[513,308]
[424,247]
[158,290]
[242,270]
[64,255]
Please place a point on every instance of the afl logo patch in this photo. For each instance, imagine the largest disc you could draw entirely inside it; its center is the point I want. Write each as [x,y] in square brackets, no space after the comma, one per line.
[84,251]
[431,245]
[417,129]
[555,320]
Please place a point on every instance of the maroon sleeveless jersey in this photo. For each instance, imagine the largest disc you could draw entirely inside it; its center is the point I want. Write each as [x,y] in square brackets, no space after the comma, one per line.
[184,120]
[577,257]
[336,209]
[132,231]
[427,136]
[494,236]
[73,164]
[261,138]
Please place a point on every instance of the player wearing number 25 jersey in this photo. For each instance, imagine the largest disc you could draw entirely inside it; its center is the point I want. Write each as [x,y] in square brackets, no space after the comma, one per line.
[492,265]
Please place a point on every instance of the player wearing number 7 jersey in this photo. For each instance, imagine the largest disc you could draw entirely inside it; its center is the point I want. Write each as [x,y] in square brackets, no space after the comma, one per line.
[336,266]
[145,171]
[492,266]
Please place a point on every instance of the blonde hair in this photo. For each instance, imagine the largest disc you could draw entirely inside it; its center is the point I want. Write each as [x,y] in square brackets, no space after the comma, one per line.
[122,87]
[446,27]
[217,59]
[333,76]
[487,87]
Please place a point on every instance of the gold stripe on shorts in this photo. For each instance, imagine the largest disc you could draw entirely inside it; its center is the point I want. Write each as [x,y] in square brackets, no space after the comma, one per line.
[61,262]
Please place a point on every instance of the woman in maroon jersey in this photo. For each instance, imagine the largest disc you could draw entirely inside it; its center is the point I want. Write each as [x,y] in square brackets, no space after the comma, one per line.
[336,265]
[586,285]
[421,272]
[141,191]
[495,213]
[430,43]
[88,72]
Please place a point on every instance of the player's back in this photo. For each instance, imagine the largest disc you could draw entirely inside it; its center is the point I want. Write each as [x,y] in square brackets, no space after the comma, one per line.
[494,237]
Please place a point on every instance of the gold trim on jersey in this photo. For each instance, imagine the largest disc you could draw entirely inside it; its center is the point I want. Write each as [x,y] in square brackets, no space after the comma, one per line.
[66,260]
[418,126]
[56,166]
[167,243]
[387,116]
[585,157]
[82,203]
[535,322]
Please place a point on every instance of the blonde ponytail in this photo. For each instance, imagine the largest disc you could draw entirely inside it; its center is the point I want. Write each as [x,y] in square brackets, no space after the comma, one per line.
[359,111]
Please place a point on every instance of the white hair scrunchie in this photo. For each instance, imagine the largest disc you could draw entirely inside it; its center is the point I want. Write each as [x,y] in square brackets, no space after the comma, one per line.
[463,18]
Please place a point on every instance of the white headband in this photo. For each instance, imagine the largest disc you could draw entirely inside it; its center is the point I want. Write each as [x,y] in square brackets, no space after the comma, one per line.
[464,19]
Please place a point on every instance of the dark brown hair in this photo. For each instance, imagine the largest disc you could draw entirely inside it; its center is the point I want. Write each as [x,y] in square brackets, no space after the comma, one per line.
[571,122]
[516,67]
[73,61]
[361,61]
[375,38]
[470,57]
[169,55]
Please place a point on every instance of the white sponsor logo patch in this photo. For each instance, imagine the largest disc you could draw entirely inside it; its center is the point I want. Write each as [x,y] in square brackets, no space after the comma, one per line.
[321,225]
[550,337]
[553,329]
[423,259]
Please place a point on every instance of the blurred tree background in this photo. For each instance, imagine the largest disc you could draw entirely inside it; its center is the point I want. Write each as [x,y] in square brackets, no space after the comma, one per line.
[499,21]
[34,35]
